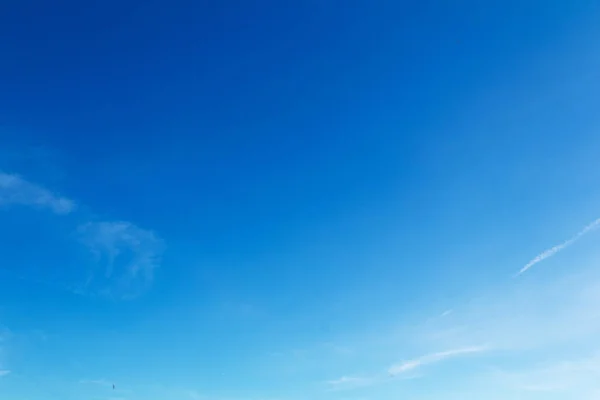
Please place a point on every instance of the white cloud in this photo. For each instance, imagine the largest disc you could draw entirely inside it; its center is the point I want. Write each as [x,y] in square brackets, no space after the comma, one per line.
[410,365]
[127,257]
[542,334]
[18,191]
[99,382]
[347,382]
[194,395]
[4,372]
[552,251]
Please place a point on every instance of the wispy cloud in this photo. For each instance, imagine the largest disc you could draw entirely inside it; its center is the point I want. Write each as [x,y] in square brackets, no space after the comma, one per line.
[410,365]
[553,313]
[569,378]
[518,328]
[99,382]
[403,370]
[350,382]
[127,256]
[553,250]
[340,349]
[4,372]
[194,395]
[14,190]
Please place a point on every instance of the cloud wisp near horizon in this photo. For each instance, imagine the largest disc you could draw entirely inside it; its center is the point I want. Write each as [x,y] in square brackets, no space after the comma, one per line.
[406,366]
[559,320]
[518,322]
[404,370]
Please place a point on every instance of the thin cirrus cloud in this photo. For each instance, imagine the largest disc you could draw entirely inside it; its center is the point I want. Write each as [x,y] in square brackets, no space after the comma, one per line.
[4,372]
[350,382]
[192,394]
[14,190]
[553,250]
[99,382]
[411,365]
[125,255]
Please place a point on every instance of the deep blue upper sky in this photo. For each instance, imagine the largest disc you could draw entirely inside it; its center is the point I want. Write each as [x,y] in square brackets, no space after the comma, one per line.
[260,200]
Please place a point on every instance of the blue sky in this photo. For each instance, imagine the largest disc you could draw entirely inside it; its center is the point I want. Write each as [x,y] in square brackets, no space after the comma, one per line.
[281,201]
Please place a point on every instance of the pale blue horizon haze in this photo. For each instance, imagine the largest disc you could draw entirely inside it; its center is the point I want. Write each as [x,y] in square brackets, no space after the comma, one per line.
[299,200]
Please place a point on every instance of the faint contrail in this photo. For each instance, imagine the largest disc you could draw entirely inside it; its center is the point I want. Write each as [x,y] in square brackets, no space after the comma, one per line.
[552,251]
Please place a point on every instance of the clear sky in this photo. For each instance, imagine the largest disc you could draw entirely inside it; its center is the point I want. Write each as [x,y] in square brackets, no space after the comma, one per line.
[328,200]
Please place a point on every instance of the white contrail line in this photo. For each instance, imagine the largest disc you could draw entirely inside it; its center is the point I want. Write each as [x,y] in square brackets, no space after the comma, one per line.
[552,251]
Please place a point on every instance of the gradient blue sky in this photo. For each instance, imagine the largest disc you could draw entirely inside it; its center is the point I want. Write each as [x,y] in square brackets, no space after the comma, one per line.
[323,200]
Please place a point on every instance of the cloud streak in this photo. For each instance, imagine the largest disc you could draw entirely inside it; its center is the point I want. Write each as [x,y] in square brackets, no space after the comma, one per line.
[553,250]
[16,190]
[403,370]
[4,372]
[411,365]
